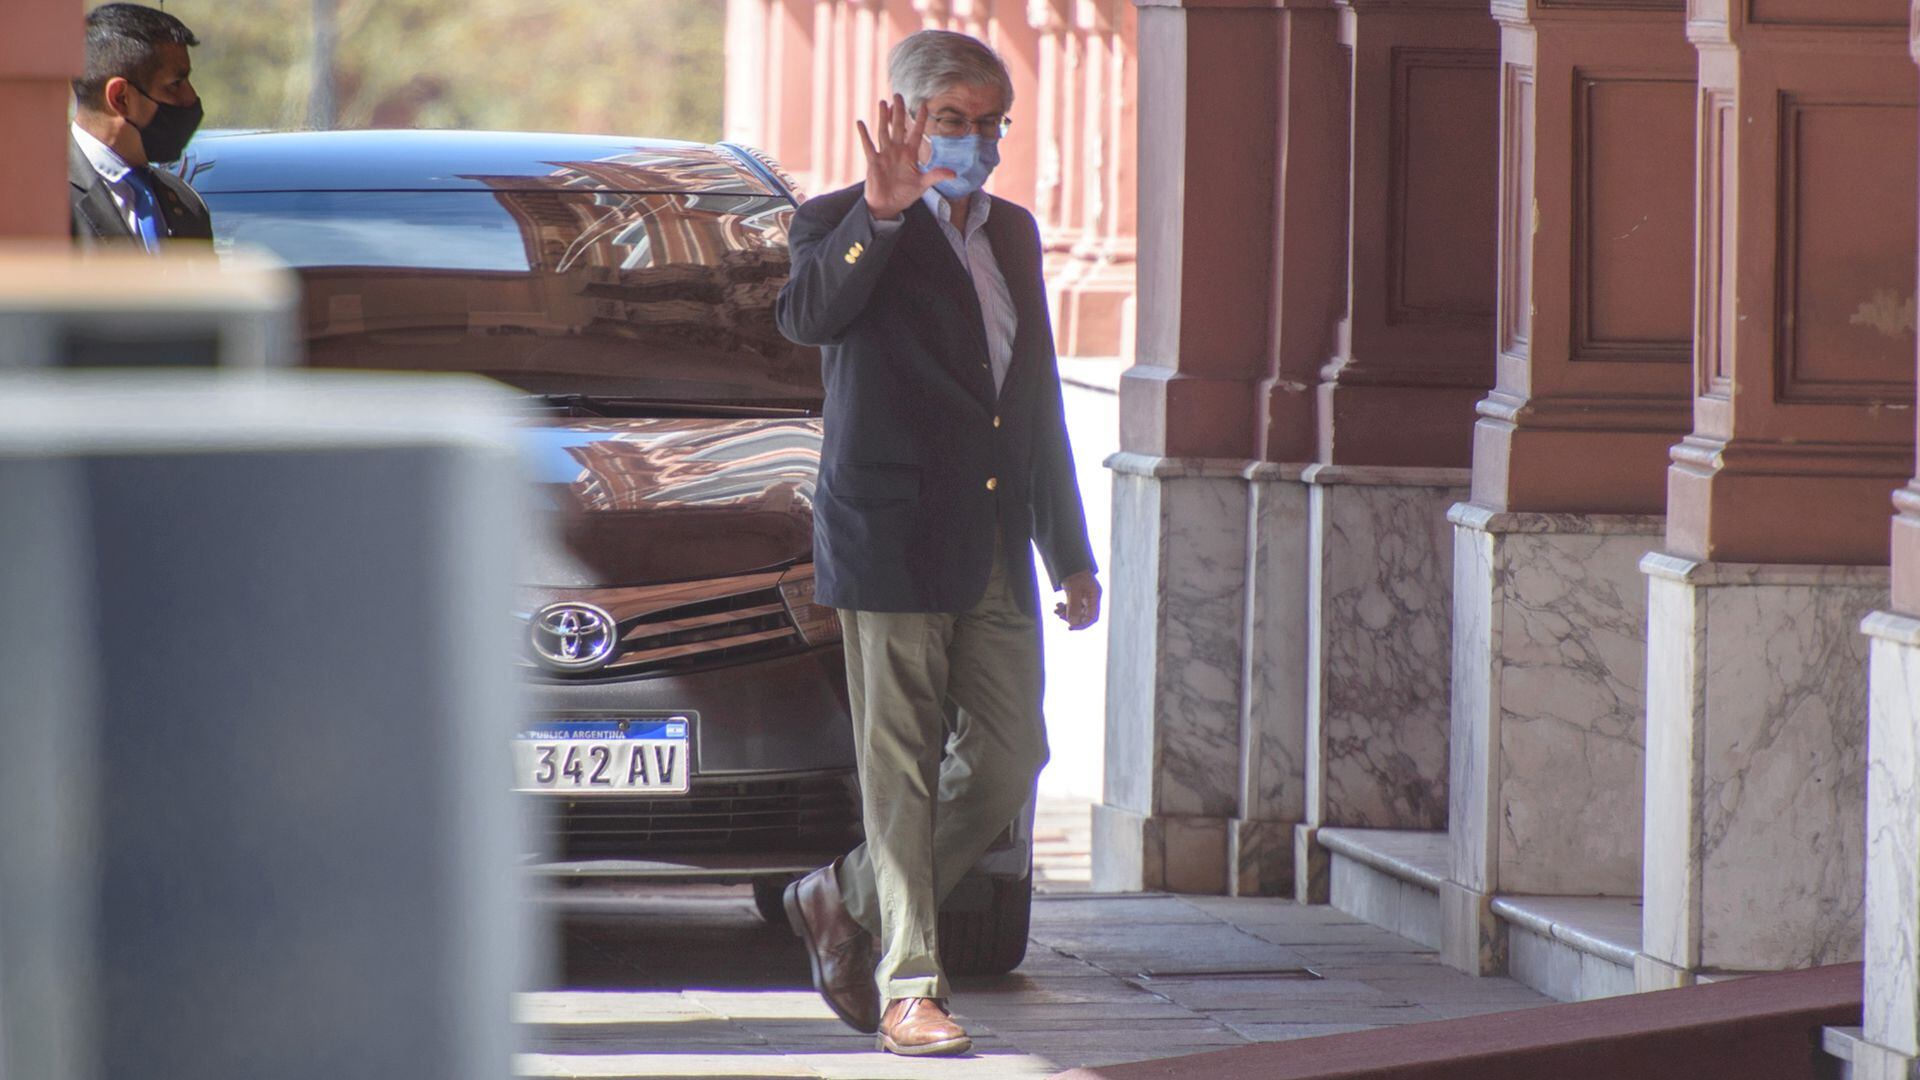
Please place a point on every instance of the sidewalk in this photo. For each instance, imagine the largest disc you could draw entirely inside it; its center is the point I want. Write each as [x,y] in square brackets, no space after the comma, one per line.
[1107,979]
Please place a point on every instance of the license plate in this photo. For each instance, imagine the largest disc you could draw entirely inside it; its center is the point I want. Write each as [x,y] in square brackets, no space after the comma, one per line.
[648,755]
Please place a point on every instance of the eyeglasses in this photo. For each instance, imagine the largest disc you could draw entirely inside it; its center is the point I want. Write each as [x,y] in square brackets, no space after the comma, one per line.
[951,125]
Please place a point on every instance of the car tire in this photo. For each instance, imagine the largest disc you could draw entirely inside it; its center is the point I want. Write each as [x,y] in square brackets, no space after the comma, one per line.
[992,939]
[768,894]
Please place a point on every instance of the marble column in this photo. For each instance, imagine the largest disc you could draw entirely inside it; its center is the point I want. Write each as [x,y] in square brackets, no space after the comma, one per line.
[1310,235]
[1548,741]
[39,54]
[1777,545]
[1379,630]
[1891,1008]
[1890,1034]
[1273,677]
[1173,754]
[1184,506]
[1593,340]
[1756,766]
[1394,412]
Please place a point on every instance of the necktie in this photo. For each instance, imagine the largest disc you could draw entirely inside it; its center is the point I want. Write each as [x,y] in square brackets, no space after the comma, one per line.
[147,222]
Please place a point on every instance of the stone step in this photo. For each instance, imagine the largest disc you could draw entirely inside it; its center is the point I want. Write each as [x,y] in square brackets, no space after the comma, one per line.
[1389,877]
[1572,948]
[1839,1045]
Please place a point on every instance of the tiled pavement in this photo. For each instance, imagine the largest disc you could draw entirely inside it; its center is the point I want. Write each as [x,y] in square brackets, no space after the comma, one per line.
[689,982]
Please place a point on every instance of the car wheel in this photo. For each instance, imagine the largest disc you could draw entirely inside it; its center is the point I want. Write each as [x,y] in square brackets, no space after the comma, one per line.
[767,896]
[990,939]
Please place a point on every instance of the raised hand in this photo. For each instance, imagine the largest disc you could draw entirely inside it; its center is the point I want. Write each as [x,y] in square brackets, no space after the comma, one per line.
[894,179]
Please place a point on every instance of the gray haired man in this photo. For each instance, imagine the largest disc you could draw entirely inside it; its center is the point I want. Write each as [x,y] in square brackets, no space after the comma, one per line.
[945,465]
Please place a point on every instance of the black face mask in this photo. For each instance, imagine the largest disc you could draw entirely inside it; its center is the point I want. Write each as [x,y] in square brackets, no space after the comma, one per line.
[165,137]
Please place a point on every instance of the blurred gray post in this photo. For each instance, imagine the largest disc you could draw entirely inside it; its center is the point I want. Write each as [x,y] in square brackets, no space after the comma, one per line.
[255,703]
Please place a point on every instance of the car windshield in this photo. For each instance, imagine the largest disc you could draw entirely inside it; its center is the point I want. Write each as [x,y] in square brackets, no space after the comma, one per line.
[658,297]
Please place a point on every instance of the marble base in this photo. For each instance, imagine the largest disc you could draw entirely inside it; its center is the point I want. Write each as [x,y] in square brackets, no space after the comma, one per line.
[1273,704]
[1891,1007]
[1380,590]
[1136,853]
[1312,867]
[1389,878]
[1549,674]
[1756,764]
[1561,971]
[1572,948]
[1174,668]
[1854,1057]
[1472,938]
[1259,858]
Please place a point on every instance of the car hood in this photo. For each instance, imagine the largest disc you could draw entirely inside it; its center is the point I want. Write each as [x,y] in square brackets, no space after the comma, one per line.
[652,501]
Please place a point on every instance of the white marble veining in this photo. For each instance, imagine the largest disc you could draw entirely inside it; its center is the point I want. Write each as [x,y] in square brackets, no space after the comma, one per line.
[1548,697]
[1756,766]
[1570,697]
[1676,677]
[1273,718]
[1133,602]
[1892,1003]
[1782,842]
[1262,857]
[1175,665]
[1473,782]
[1380,654]
[1203,561]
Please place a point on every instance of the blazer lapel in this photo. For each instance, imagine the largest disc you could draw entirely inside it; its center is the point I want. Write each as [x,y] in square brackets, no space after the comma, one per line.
[927,243]
[93,202]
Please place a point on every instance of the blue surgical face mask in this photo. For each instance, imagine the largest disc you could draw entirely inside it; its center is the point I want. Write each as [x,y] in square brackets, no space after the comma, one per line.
[971,157]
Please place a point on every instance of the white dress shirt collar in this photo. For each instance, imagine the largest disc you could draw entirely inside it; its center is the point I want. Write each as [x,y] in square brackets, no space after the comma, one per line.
[111,166]
[977,208]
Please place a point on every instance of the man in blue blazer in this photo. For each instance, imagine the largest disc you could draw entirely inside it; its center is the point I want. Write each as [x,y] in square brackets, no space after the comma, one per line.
[945,461]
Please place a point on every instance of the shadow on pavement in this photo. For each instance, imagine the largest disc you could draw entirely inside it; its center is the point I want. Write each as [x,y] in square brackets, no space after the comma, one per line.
[669,938]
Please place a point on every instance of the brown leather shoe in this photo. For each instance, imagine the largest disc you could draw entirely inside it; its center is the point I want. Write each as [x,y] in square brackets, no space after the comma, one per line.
[921,1027]
[839,948]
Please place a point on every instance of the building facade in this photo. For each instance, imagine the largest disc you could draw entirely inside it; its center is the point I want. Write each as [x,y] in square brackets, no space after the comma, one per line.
[799,72]
[1517,532]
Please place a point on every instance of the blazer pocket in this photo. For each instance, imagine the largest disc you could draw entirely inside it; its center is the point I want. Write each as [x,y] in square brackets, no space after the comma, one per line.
[856,480]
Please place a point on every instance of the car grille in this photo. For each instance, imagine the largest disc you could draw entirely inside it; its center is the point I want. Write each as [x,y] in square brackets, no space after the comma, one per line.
[726,630]
[692,626]
[715,816]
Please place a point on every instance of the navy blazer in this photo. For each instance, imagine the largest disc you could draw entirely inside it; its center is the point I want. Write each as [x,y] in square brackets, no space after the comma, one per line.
[922,461]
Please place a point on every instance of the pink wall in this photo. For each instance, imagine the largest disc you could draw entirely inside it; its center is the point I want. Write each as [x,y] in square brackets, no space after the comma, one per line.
[40,51]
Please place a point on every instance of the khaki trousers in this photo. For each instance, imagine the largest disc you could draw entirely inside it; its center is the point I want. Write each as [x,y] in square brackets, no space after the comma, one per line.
[928,817]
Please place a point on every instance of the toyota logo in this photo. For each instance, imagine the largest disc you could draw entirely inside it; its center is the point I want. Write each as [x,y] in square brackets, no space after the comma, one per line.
[574,637]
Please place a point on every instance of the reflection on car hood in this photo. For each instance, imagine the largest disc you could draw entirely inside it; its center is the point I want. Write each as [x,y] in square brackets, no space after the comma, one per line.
[649,501]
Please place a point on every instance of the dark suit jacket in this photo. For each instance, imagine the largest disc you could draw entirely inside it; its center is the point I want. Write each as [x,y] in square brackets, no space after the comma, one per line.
[922,460]
[97,219]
